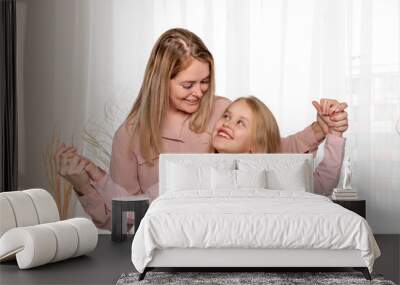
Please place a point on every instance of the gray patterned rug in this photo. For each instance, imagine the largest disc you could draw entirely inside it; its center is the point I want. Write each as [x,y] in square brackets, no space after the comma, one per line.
[229,278]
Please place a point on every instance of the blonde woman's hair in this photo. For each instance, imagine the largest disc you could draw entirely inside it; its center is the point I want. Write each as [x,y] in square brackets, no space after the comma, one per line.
[171,54]
[265,136]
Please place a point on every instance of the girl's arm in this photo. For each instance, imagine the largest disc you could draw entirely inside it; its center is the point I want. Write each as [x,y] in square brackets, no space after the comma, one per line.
[121,181]
[327,173]
[306,141]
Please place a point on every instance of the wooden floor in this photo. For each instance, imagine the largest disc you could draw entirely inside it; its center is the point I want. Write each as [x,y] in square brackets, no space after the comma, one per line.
[389,262]
[110,260]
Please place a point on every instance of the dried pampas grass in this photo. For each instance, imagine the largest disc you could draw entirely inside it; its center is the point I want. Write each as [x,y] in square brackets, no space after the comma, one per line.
[60,188]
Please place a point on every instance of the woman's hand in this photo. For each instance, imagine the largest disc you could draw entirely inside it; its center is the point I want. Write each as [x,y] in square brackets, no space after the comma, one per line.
[331,116]
[71,166]
[77,169]
[339,121]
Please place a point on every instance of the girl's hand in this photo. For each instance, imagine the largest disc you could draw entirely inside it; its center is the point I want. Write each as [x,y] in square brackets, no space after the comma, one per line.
[71,166]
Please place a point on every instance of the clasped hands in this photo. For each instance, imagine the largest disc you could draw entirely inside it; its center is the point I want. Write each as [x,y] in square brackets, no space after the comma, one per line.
[76,169]
[331,117]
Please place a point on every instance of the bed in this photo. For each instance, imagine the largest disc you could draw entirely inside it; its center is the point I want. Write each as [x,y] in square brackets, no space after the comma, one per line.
[245,211]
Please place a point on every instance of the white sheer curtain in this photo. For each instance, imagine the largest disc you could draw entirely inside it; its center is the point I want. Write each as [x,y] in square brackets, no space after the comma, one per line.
[286,52]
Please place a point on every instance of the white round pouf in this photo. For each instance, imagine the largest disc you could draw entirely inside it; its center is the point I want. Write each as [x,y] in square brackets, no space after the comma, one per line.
[45,205]
[23,208]
[33,246]
[87,235]
[67,239]
[30,230]
[7,218]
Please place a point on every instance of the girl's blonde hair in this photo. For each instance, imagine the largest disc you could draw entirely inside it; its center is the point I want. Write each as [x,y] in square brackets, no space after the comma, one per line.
[265,136]
[171,54]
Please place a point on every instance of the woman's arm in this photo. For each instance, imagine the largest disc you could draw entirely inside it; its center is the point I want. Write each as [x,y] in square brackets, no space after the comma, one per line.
[123,177]
[327,174]
[333,119]
[95,207]
[122,181]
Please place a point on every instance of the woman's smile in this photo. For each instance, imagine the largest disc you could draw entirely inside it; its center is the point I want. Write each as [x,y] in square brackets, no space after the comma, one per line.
[192,100]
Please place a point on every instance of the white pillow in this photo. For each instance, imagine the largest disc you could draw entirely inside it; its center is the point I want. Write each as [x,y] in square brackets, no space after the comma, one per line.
[201,160]
[293,178]
[251,178]
[281,174]
[181,177]
[223,179]
[228,179]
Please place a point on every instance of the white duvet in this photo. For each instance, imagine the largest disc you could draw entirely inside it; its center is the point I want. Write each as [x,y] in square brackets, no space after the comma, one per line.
[251,218]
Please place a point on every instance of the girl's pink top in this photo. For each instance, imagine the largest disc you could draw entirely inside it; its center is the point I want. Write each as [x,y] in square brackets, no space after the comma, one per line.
[130,175]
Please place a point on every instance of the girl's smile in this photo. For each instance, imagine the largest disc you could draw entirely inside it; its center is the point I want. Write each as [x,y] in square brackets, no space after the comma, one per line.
[225,133]
[232,132]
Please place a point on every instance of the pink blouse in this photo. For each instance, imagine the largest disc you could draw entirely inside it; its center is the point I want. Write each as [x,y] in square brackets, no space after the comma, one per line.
[130,175]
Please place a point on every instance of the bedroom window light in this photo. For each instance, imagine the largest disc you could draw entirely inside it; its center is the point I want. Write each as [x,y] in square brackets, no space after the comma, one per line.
[373,88]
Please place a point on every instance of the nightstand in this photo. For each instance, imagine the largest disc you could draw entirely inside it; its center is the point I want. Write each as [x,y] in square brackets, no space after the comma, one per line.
[357,206]
[138,204]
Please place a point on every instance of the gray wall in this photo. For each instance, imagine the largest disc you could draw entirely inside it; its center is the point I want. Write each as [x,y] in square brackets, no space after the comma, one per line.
[52,48]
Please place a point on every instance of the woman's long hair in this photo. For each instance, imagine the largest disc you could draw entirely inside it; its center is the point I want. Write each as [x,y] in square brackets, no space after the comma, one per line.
[265,135]
[171,54]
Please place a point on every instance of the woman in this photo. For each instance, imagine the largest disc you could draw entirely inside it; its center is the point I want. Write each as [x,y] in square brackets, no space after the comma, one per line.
[248,126]
[175,111]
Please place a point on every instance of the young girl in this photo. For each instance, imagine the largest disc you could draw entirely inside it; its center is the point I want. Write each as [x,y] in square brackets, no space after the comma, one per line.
[175,111]
[248,126]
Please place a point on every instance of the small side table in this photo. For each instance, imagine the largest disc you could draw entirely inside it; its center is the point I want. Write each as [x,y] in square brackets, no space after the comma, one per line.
[357,206]
[137,204]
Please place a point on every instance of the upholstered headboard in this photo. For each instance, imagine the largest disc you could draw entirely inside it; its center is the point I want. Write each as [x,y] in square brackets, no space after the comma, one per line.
[276,162]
